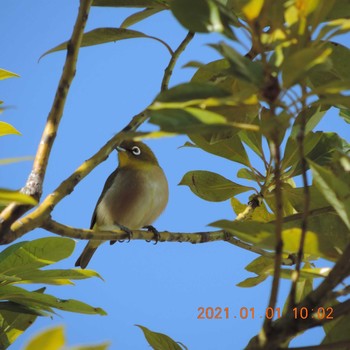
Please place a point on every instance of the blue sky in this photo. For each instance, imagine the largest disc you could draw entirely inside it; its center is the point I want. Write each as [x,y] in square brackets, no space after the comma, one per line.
[158,286]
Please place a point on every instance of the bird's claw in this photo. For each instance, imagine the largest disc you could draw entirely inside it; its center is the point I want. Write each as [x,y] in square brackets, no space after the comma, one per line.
[127,231]
[156,234]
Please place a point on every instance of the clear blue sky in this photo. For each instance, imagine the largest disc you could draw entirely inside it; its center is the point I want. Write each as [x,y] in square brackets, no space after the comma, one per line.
[160,287]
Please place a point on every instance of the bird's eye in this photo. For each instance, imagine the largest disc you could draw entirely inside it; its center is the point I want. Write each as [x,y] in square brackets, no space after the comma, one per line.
[136,151]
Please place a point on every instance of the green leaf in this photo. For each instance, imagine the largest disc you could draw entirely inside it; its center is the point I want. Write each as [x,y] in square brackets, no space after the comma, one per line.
[52,339]
[318,147]
[46,301]
[188,120]
[312,117]
[340,330]
[241,67]
[55,277]
[345,114]
[159,341]
[191,91]
[201,16]
[139,16]
[211,186]
[5,74]
[25,256]
[229,148]
[298,65]
[105,35]
[334,188]
[340,9]
[132,3]
[8,129]
[252,281]
[327,235]
[14,320]
[253,140]
[8,196]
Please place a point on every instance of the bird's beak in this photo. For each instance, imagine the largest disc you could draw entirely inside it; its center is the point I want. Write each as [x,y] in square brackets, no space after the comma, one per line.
[120,149]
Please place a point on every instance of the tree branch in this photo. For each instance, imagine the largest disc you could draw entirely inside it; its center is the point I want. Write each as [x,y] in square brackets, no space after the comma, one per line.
[169,69]
[35,180]
[305,214]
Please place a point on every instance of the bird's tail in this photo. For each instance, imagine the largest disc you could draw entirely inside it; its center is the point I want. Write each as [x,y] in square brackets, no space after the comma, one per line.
[86,255]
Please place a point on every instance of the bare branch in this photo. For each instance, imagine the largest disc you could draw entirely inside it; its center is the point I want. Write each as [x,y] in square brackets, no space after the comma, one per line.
[169,69]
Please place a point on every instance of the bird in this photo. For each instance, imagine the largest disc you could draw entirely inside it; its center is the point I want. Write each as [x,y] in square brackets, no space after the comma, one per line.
[133,197]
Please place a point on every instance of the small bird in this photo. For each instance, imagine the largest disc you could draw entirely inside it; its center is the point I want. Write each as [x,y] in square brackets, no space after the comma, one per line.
[133,197]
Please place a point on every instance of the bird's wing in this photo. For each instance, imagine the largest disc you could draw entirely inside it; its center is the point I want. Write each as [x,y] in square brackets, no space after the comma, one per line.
[107,185]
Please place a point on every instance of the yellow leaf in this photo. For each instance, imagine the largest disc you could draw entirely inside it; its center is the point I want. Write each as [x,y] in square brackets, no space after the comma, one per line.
[51,339]
[5,74]
[8,129]
[252,9]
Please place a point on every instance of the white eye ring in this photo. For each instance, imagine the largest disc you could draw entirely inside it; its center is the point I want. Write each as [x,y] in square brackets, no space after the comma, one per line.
[136,151]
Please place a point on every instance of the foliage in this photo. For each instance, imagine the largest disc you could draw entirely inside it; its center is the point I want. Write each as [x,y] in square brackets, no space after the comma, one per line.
[265,102]
[22,263]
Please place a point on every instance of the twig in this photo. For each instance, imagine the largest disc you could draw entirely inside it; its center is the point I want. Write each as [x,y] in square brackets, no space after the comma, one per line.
[275,152]
[169,69]
[164,236]
[305,214]
[35,180]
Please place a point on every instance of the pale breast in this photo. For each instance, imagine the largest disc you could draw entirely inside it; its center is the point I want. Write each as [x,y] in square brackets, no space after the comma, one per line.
[135,199]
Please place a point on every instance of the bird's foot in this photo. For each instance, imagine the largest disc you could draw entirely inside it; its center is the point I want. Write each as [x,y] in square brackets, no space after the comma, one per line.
[127,231]
[156,234]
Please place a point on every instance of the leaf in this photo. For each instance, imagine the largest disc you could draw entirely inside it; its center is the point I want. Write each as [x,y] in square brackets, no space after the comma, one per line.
[345,114]
[340,331]
[52,338]
[5,74]
[55,277]
[188,120]
[241,67]
[46,301]
[253,140]
[14,320]
[105,35]
[312,116]
[298,65]
[211,186]
[201,16]
[8,196]
[25,256]
[159,341]
[8,129]
[252,9]
[191,91]
[334,189]
[229,148]
[252,281]
[131,3]
[327,235]
[5,161]
[139,16]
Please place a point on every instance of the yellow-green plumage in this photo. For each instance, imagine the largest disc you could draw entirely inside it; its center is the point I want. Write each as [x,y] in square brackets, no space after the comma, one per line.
[134,195]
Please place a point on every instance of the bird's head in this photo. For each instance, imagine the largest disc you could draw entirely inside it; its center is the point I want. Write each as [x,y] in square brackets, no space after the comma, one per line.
[135,154]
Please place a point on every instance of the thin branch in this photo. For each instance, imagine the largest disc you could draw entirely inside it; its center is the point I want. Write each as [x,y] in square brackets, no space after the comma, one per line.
[35,180]
[165,236]
[276,154]
[306,197]
[169,69]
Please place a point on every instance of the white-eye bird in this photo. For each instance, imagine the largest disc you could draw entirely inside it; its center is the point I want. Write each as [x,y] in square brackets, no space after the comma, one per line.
[133,197]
